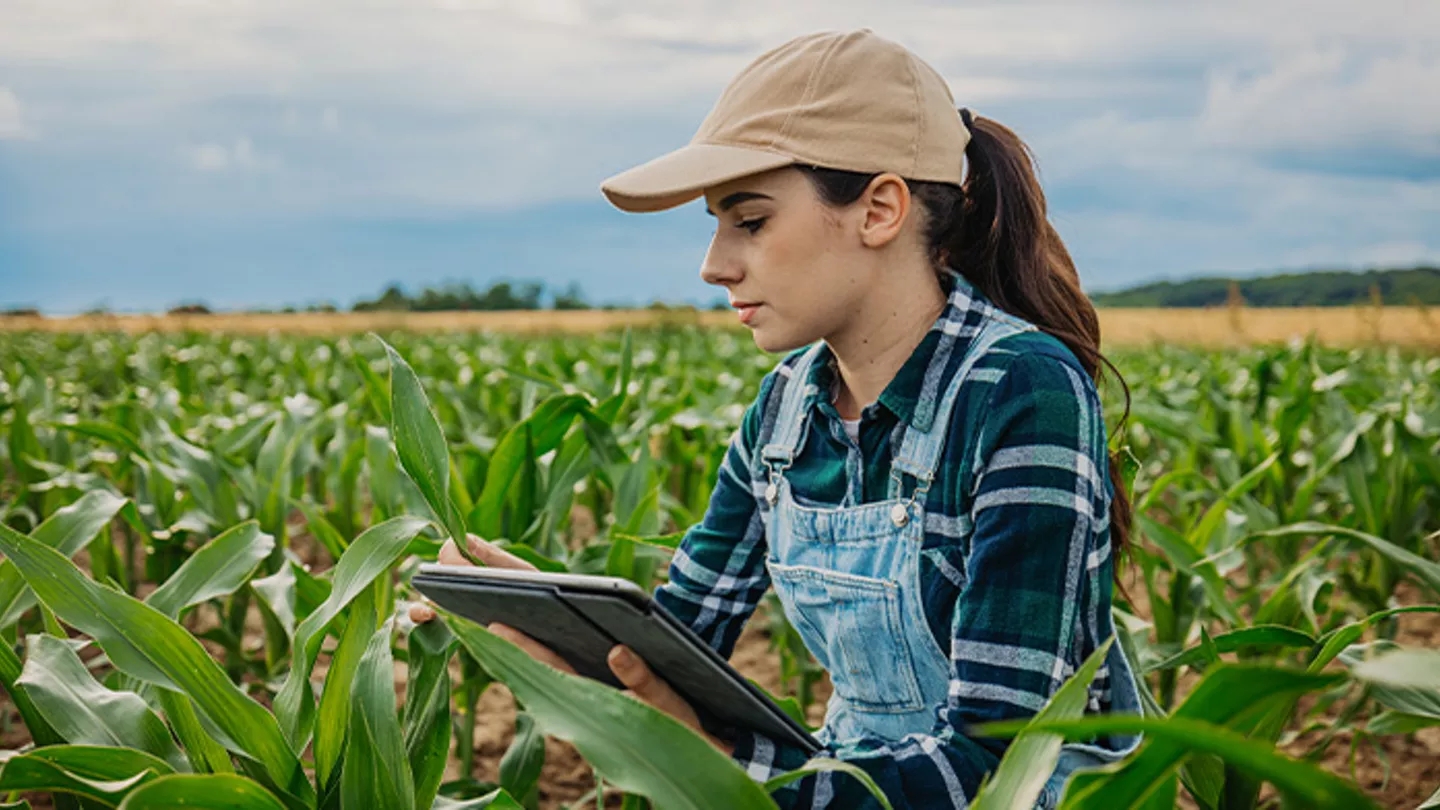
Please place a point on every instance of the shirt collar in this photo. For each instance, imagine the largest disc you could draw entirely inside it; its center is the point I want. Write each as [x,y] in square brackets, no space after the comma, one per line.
[913,393]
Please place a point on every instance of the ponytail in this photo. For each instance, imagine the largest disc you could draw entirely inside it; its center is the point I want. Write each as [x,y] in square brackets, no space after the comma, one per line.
[993,230]
[1002,242]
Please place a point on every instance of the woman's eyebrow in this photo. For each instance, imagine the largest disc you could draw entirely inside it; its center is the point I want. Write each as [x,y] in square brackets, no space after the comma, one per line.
[737,198]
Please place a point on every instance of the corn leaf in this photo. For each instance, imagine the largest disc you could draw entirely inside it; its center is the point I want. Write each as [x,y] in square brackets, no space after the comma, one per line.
[211,791]
[1028,762]
[148,645]
[68,530]
[1229,695]
[420,443]
[94,772]
[635,747]
[426,721]
[333,715]
[376,772]
[371,555]
[215,569]
[204,753]
[83,712]
[1308,785]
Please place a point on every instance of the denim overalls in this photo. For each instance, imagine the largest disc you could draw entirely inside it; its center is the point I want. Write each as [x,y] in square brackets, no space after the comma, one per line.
[849,580]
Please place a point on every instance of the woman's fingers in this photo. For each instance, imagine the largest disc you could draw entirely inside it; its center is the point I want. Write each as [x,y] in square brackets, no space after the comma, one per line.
[536,650]
[644,685]
[421,613]
[485,551]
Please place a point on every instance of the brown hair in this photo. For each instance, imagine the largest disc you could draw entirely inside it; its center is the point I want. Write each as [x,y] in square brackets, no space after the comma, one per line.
[993,230]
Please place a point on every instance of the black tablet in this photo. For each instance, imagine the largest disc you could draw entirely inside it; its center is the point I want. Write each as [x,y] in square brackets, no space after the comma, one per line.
[582,617]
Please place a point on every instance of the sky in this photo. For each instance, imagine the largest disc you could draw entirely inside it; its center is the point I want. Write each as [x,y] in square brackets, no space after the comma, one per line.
[259,153]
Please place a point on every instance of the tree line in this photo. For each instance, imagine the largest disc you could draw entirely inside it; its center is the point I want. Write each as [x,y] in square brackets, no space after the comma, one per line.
[1417,285]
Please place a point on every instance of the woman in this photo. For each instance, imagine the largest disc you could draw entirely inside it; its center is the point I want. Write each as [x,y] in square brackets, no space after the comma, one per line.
[924,478]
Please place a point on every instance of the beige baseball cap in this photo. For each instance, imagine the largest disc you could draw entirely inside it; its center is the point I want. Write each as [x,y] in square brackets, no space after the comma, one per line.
[852,101]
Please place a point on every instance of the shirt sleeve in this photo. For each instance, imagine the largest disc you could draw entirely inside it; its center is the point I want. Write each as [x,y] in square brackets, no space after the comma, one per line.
[717,574]
[1039,506]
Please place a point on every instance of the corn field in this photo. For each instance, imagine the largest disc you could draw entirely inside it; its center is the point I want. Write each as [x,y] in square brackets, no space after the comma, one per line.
[208,541]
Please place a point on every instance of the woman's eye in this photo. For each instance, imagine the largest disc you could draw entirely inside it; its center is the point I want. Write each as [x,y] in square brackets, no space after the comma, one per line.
[751,225]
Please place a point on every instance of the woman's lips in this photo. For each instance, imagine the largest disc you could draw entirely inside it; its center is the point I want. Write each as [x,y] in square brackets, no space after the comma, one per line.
[746,311]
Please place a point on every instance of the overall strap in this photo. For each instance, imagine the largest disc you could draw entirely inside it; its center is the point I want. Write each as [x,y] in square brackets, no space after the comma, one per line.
[788,433]
[920,451]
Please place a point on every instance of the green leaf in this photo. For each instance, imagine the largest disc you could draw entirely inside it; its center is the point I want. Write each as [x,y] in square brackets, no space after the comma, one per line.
[635,747]
[494,800]
[85,713]
[1019,779]
[818,764]
[1273,635]
[377,391]
[1427,571]
[278,594]
[376,772]
[10,668]
[105,432]
[420,443]
[205,755]
[426,720]
[322,529]
[1410,669]
[1228,695]
[1202,534]
[505,463]
[333,717]
[520,766]
[68,530]
[148,645]
[1308,785]
[371,555]
[217,568]
[1392,722]
[1333,643]
[209,791]
[94,772]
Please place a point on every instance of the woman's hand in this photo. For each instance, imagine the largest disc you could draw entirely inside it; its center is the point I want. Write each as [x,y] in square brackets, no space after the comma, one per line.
[642,684]
[485,551]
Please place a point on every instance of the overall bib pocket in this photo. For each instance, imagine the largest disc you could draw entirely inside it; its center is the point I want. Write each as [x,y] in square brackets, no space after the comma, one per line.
[863,644]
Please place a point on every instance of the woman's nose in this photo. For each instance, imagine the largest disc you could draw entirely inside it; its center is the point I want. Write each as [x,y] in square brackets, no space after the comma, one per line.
[718,269]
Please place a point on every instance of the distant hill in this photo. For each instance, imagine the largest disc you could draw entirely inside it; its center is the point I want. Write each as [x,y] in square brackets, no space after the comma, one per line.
[1317,289]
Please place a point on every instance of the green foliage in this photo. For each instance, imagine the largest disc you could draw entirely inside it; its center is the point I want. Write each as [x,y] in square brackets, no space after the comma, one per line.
[247,511]
[1420,285]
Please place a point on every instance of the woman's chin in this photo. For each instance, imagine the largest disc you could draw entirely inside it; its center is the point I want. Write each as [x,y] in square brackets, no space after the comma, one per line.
[773,342]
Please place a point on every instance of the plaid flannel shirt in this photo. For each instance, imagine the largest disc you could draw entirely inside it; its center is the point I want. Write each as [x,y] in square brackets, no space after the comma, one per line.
[1015,567]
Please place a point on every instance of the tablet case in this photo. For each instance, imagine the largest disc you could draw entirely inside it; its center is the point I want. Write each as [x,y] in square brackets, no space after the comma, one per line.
[581,626]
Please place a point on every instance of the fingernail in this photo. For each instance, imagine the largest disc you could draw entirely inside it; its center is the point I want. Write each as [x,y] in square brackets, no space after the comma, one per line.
[623,658]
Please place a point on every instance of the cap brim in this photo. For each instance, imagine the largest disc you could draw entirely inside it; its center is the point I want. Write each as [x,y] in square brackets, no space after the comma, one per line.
[683,175]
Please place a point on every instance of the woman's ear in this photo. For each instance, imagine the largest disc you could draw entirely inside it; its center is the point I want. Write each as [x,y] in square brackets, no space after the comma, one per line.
[886,203]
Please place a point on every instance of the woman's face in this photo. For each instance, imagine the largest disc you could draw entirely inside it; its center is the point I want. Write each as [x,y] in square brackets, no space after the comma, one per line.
[794,268]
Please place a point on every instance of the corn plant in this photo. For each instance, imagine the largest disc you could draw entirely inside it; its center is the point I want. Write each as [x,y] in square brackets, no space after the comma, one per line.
[258,503]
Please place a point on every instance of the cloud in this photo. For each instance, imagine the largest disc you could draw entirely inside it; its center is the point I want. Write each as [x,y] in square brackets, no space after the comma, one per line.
[215,157]
[12,121]
[1327,98]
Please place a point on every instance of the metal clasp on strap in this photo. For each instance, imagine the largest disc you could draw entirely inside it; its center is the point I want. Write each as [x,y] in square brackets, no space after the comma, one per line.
[773,474]
[900,512]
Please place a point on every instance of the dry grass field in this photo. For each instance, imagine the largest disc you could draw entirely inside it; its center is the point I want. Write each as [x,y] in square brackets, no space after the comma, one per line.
[1216,327]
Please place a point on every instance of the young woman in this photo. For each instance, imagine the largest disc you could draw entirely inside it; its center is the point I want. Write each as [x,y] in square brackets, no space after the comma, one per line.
[924,479]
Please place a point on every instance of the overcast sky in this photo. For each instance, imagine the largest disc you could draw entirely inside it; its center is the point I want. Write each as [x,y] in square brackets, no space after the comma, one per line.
[265,152]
